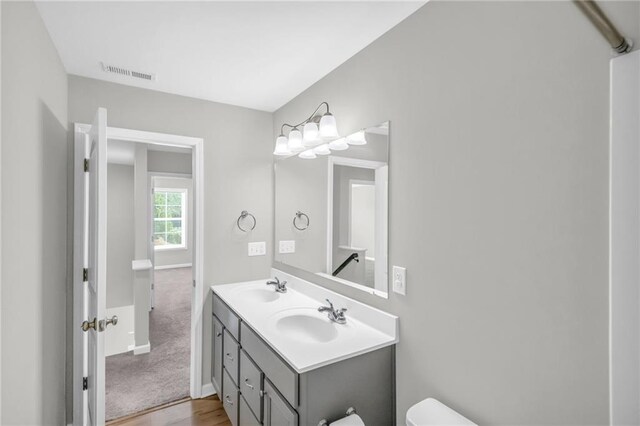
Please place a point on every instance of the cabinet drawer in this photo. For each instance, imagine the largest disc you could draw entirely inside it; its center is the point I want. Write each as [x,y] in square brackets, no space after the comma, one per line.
[216,355]
[246,415]
[273,367]
[230,398]
[226,317]
[251,384]
[230,360]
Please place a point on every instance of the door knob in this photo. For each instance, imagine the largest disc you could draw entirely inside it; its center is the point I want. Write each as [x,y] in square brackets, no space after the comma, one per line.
[86,325]
[112,321]
[102,325]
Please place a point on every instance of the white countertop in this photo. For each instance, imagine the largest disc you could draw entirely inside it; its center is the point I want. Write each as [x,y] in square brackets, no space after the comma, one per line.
[366,330]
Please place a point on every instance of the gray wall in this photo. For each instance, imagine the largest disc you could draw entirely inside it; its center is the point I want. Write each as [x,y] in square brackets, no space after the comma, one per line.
[34,238]
[301,185]
[178,256]
[169,162]
[120,235]
[499,140]
[237,172]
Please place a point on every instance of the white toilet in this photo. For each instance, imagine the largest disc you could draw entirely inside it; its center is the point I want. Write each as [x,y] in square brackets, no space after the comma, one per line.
[431,412]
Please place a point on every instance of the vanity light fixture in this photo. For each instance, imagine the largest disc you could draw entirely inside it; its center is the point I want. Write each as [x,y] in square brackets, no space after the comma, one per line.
[322,149]
[295,140]
[318,131]
[282,147]
[328,128]
[308,154]
[358,138]
[339,145]
[310,134]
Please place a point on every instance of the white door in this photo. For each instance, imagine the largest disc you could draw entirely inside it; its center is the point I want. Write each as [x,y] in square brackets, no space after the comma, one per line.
[96,266]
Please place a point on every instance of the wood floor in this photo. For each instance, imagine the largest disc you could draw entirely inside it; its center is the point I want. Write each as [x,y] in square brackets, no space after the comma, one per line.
[194,412]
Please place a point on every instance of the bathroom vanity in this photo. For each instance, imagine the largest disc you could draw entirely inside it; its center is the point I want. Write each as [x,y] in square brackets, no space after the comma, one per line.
[278,361]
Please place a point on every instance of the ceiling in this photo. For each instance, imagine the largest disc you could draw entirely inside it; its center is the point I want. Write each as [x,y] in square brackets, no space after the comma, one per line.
[253,54]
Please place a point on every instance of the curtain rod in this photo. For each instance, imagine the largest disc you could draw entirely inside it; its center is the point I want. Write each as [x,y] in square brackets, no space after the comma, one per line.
[597,17]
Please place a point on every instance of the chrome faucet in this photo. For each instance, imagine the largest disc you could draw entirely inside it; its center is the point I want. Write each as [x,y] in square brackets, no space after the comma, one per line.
[333,314]
[281,286]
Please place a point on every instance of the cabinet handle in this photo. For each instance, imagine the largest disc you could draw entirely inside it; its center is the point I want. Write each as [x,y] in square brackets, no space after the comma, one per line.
[218,334]
[226,398]
[229,356]
[246,382]
[263,393]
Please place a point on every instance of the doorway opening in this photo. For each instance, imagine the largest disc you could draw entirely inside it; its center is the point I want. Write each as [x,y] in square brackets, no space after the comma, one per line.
[147,357]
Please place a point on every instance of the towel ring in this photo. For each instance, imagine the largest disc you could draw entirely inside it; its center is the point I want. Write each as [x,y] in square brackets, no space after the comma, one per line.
[244,215]
[299,215]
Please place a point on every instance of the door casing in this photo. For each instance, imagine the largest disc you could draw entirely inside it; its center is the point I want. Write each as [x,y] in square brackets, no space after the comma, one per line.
[81,132]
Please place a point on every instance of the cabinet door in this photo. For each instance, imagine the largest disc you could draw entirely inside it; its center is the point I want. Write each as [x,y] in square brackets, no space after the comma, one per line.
[246,415]
[216,355]
[277,411]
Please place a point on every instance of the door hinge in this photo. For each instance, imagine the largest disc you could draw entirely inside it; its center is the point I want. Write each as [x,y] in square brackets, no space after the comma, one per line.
[86,164]
[85,383]
[85,275]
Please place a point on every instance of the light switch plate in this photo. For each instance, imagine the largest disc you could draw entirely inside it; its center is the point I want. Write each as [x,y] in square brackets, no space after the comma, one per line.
[287,246]
[400,280]
[258,249]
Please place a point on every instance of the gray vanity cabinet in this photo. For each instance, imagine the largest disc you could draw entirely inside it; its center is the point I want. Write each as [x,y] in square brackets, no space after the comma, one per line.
[230,397]
[251,382]
[216,362]
[276,410]
[246,415]
[260,387]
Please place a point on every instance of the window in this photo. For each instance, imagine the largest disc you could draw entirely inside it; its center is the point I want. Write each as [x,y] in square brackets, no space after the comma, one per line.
[170,218]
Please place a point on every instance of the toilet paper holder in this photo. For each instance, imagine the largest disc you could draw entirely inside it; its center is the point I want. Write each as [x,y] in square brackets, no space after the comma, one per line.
[349,412]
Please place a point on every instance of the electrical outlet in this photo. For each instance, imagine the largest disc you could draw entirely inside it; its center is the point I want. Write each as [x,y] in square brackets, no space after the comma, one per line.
[400,280]
[258,249]
[287,246]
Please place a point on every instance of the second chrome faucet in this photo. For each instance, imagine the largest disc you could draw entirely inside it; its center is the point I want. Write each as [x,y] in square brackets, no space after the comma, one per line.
[281,286]
[335,315]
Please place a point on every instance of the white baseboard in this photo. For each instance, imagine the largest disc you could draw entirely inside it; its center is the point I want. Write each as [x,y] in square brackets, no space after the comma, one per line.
[207,390]
[179,265]
[143,349]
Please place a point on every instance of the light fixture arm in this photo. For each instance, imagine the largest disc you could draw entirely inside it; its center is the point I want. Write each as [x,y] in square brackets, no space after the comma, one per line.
[311,118]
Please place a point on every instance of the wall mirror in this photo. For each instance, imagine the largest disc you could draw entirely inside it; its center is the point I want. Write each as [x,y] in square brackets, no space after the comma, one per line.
[331,211]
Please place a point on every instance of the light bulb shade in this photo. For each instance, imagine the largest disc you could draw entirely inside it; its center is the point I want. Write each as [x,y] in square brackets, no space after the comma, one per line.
[338,145]
[295,141]
[328,128]
[310,134]
[308,154]
[322,149]
[282,148]
[358,138]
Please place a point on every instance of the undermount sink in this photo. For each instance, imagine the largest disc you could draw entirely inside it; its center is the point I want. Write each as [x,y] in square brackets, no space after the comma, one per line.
[259,294]
[305,324]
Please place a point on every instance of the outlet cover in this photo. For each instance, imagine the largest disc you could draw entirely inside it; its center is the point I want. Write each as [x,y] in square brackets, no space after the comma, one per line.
[257,249]
[287,246]
[400,280]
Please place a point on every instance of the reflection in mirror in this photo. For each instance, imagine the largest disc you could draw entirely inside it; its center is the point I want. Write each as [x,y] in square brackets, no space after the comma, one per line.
[331,211]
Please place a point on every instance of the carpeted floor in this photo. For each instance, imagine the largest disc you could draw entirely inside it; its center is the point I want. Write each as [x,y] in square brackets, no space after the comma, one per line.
[137,382]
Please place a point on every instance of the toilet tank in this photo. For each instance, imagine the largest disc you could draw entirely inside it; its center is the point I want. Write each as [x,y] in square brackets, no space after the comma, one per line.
[431,412]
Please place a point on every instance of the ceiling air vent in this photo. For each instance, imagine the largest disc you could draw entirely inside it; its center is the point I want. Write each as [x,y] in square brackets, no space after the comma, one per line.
[127,72]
